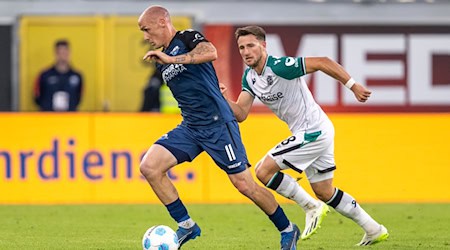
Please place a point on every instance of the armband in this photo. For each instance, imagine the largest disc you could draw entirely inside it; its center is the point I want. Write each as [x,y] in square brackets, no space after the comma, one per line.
[350,83]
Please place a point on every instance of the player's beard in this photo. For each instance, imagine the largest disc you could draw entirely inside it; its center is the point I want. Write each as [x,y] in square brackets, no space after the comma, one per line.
[256,63]
[258,60]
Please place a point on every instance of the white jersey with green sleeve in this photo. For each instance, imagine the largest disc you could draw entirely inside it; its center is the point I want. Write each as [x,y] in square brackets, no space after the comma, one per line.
[281,88]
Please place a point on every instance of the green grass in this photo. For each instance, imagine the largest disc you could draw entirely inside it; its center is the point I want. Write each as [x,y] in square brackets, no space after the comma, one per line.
[411,226]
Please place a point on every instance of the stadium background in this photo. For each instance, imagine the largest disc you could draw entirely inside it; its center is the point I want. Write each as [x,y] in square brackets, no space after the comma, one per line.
[385,149]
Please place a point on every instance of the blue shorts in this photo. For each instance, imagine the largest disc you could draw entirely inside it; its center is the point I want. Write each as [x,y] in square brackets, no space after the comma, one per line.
[222,143]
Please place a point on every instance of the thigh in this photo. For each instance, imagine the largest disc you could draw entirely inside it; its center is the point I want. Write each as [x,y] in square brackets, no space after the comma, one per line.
[225,147]
[159,158]
[323,167]
[181,143]
[298,151]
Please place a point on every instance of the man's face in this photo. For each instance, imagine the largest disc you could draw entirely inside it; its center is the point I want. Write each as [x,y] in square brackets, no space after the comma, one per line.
[62,54]
[153,31]
[251,50]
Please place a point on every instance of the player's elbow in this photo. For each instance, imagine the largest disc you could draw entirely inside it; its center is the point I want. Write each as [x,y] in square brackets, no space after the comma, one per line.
[318,63]
[241,117]
[213,54]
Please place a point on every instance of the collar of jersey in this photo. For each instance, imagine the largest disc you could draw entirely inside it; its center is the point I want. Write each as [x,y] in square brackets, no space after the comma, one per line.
[265,65]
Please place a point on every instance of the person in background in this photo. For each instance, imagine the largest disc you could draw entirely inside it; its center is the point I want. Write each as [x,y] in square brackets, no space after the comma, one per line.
[59,88]
[158,97]
[152,101]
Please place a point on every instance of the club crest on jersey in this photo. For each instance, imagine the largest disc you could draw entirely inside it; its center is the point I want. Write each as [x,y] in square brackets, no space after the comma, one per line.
[253,80]
[269,80]
[174,51]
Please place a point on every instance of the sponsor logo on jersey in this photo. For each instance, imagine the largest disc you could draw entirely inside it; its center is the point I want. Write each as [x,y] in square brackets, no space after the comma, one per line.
[172,70]
[271,97]
[52,80]
[235,165]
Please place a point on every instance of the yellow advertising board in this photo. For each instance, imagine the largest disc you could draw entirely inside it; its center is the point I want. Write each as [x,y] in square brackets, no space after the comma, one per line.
[107,50]
[94,158]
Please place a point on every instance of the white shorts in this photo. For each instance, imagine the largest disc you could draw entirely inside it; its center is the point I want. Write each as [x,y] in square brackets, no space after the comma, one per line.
[309,152]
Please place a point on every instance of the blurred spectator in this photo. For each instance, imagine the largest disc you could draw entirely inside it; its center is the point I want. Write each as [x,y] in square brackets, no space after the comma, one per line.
[158,97]
[60,87]
[151,93]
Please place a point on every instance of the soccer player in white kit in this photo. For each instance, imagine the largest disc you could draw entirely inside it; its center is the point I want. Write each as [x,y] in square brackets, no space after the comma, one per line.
[277,82]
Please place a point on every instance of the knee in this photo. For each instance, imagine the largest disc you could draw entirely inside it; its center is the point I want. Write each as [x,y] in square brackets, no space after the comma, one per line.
[149,169]
[324,194]
[262,173]
[245,188]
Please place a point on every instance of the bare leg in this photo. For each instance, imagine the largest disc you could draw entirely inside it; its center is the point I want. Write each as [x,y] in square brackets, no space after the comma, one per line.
[245,183]
[154,166]
[268,172]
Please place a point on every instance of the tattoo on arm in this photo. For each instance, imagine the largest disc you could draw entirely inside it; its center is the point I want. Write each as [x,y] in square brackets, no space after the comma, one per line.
[183,58]
[180,59]
[200,49]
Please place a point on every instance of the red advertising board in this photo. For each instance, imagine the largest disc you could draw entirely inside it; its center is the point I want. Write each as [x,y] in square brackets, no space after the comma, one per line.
[407,68]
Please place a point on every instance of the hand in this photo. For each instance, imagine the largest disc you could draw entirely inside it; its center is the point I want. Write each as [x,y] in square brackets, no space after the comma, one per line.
[158,56]
[224,90]
[361,93]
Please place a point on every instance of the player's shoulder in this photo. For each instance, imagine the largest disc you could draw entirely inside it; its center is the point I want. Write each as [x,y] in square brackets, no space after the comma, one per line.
[286,66]
[48,71]
[283,61]
[191,36]
[246,75]
[190,33]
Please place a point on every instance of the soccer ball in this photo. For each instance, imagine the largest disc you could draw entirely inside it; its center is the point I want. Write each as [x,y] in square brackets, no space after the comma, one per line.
[160,238]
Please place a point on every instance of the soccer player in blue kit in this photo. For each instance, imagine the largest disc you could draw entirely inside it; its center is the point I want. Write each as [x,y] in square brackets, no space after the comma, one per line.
[208,125]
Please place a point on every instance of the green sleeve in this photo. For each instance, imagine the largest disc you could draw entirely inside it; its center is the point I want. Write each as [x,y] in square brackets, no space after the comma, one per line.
[287,67]
[245,86]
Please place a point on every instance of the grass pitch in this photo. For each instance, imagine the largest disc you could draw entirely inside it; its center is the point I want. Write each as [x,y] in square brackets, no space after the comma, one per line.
[242,226]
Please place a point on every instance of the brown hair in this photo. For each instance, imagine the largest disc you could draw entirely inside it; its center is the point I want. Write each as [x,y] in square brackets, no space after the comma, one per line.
[251,30]
[61,43]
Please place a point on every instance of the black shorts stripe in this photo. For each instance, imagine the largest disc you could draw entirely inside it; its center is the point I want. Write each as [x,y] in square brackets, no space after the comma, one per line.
[284,151]
[292,166]
[327,170]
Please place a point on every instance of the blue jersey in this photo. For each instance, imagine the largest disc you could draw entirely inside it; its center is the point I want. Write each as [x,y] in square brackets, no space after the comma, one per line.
[51,84]
[195,86]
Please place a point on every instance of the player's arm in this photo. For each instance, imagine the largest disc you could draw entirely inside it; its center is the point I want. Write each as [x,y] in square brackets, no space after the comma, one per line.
[200,50]
[38,90]
[335,70]
[79,93]
[203,52]
[242,106]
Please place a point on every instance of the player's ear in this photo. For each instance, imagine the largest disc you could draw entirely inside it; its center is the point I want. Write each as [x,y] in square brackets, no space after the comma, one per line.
[162,22]
[264,44]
